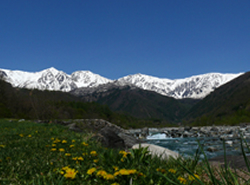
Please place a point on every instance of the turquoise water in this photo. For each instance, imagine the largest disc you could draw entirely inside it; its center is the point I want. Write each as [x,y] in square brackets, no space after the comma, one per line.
[188,146]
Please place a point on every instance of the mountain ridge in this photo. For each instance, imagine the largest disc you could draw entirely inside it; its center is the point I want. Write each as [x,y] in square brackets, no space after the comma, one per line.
[196,87]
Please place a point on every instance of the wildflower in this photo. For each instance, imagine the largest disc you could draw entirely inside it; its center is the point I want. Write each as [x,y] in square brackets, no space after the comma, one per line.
[85,144]
[123,172]
[51,163]
[29,135]
[61,172]
[93,153]
[182,180]
[116,173]
[80,158]
[95,161]
[91,171]
[124,153]
[52,138]
[73,141]
[84,154]
[172,170]
[53,149]
[191,177]
[2,146]
[141,174]
[115,168]
[70,173]
[21,135]
[67,154]
[115,183]
[65,168]
[71,146]
[64,141]
[101,173]
[161,170]
[122,159]
[109,177]
[61,150]
[132,171]
[53,145]
[74,158]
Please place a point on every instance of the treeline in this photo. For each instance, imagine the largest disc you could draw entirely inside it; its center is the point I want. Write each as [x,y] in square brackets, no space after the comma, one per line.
[48,105]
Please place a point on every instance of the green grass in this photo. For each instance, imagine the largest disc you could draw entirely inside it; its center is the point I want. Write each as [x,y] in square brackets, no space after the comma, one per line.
[33,153]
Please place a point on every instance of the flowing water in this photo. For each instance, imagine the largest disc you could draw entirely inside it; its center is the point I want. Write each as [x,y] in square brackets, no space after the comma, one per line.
[187,146]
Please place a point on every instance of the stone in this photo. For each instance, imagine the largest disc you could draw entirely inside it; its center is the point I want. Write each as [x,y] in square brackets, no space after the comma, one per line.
[129,140]
[212,149]
[109,138]
[158,151]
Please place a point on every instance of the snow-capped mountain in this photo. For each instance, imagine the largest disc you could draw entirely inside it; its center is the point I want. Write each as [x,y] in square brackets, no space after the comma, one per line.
[193,87]
[52,79]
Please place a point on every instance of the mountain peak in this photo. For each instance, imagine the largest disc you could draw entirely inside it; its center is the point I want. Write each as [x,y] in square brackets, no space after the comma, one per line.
[197,86]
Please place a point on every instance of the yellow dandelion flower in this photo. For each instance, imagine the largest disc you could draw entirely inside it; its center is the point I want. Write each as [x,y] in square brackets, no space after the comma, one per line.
[122,159]
[53,145]
[85,144]
[65,168]
[116,173]
[93,153]
[70,173]
[115,183]
[64,141]
[80,158]
[84,154]
[73,141]
[21,135]
[2,146]
[71,146]
[132,171]
[52,138]
[95,161]
[62,150]
[123,172]
[172,170]
[116,168]
[53,149]
[91,171]
[192,178]
[74,158]
[109,177]
[62,172]
[101,173]
[67,154]
[29,135]
[182,180]
[141,174]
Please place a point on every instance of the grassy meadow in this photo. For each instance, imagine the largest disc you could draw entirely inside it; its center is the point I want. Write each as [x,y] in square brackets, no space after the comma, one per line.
[32,153]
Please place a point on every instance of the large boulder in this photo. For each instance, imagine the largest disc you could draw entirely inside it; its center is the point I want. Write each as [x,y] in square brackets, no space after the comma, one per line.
[109,138]
[158,151]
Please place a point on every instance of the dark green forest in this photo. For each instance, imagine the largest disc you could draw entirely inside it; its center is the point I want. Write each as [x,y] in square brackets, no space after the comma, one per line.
[131,108]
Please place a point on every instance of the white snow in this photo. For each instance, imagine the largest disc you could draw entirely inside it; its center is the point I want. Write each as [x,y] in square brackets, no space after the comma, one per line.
[197,86]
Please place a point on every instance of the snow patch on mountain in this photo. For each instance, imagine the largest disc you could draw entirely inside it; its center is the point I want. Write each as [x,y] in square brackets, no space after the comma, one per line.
[53,79]
[197,86]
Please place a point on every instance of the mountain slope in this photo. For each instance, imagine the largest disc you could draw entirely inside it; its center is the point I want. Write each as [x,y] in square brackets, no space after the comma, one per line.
[137,102]
[230,103]
[196,87]
[193,87]
[52,79]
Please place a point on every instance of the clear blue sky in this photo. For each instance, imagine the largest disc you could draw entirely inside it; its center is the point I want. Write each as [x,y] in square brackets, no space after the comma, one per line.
[164,38]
